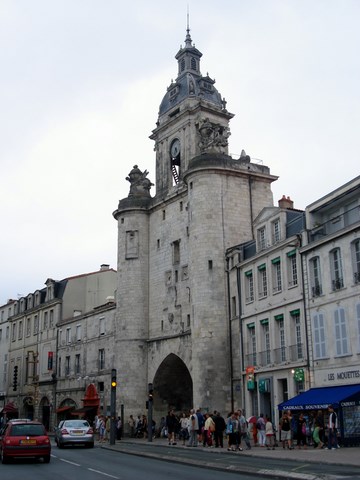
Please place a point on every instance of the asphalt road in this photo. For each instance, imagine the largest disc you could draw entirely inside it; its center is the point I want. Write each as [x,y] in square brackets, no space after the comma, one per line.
[99,463]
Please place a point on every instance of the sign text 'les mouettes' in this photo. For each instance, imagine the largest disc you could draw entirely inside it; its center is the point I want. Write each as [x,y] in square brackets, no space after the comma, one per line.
[344,375]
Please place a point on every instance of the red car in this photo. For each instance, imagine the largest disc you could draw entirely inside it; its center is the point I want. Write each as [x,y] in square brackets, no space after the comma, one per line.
[24,439]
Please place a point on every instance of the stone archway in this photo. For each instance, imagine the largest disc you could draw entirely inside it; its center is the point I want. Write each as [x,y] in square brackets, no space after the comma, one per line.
[173,387]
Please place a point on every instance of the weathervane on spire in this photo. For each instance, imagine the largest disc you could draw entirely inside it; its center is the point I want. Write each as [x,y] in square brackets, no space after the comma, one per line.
[188,37]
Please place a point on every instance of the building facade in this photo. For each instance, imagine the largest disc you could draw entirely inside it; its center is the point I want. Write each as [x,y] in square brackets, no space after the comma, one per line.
[171,320]
[34,327]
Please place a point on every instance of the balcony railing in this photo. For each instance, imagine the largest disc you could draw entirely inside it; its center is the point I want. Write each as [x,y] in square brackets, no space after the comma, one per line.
[316,291]
[337,284]
[277,356]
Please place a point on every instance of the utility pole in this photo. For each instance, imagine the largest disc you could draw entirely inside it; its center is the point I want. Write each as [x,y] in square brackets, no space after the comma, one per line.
[113,407]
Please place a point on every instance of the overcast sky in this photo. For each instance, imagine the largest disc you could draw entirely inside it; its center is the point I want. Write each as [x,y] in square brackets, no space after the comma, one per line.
[80,86]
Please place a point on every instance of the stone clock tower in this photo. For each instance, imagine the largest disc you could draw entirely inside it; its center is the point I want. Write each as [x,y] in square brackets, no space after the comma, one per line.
[172,326]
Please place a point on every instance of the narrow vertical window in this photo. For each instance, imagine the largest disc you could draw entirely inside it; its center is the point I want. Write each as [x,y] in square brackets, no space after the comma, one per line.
[262,238]
[292,269]
[252,345]
[315,276]
[78,333]
[77,363]
[233,307]
[67,365]
[276,267]
[355,251]
[341,337]
[337,280]
[68,335]
[319,335]
[282,342]
[262,281]
[101,359]
[249,285]
[176,252]
[276,231]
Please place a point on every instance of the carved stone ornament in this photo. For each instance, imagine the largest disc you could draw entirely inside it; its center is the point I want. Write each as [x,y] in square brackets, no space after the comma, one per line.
[139,184]
[213,137]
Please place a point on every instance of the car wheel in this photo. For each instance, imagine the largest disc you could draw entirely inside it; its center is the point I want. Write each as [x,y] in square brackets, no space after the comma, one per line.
[90,445]
[47,459]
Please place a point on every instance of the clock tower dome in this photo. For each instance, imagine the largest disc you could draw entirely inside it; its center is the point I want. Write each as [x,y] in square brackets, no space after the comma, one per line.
[192,119]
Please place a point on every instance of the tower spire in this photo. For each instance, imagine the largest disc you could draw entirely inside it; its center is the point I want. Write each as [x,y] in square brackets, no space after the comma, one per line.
[188,41]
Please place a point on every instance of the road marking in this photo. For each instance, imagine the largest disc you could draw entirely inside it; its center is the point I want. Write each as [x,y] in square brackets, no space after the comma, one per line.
[71,463]
[102,473]
[283,473]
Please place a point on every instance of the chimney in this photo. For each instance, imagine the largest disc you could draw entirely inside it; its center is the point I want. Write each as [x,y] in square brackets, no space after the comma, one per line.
[104,266]
[286,202]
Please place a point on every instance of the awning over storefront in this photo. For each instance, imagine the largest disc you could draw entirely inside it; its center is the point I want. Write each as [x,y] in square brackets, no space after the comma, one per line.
[320,398]
[65,408]
[9,408]
[83,411]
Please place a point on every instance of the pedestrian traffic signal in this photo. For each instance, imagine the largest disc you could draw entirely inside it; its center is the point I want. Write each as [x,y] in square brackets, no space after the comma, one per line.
[15,378]
[113,378]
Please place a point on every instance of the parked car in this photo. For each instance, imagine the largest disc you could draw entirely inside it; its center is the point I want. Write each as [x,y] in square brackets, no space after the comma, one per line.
[74,432]
[24,439]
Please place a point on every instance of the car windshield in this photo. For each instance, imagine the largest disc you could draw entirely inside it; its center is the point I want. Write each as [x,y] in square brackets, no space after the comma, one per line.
[30,430]
[76,424]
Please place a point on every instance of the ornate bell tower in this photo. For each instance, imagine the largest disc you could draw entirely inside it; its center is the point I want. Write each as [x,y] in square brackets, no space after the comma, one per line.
[192,119]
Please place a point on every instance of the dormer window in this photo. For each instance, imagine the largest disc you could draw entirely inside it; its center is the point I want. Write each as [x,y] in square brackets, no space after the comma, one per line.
[173,93]
[207,86]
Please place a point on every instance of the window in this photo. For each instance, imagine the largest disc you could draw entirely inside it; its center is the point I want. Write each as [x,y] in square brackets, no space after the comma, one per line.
[262,238]
[315,274]
[7,332]
[266,337]
[59,367]
[252,344]
[132,244]
[355,254]
[341,338]
[319,335]
[102,326]
[276,270]
[78,333]
[36,325]
[0,334]
[13,332]
[67,365]
[28,327]
[193,63]
[249,285]
[176,252]
[233,307]
[77,363]
[46,321]
[68,335]
[295,315]
[337,280]
[276,231]
[101,359]
[262,281]
[282,339]
[20,331]
[292,268]
[51,321]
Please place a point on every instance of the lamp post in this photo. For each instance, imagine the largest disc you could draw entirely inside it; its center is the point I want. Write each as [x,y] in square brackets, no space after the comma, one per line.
[150,411]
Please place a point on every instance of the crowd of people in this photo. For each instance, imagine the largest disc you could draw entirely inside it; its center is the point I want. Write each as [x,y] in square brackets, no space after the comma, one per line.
[300,430]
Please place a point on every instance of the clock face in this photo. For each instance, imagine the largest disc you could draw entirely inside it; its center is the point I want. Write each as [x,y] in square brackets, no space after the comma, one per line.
[175,148]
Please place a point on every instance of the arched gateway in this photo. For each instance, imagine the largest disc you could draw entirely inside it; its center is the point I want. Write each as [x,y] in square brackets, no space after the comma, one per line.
[173,387]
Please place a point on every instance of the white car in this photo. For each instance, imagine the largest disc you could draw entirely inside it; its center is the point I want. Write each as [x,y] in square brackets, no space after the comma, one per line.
[74,432]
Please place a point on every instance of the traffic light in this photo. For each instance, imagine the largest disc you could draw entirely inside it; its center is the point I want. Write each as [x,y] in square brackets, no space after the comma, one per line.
[113,379]
[15,378]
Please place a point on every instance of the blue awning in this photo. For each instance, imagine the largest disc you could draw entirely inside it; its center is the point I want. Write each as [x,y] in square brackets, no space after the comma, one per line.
[320,398]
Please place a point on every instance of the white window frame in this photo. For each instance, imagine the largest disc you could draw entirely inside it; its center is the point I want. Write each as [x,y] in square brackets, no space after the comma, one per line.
[78,333]
[102,329]
[262,238]
[249,283]
[277,280]
[315,276]
[263,290]
[68,335]
[355,251]
[276,227]
[292,270]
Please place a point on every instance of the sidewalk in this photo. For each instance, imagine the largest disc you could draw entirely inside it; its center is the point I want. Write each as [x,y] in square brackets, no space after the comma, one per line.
[349,456]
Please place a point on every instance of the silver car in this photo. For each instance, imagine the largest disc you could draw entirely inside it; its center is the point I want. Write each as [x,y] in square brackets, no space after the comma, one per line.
[74,432]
